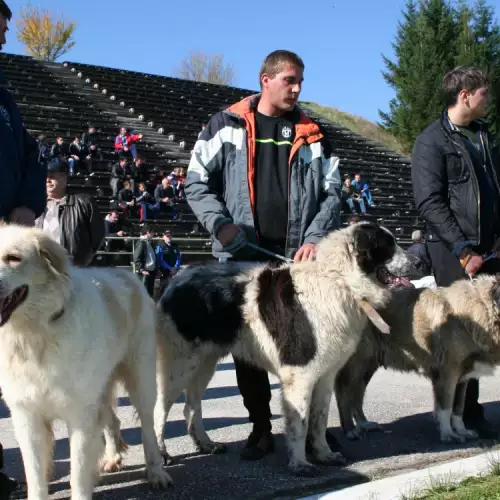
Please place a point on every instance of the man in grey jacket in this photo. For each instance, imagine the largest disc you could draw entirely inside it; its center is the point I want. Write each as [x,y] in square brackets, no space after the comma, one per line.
[263,172]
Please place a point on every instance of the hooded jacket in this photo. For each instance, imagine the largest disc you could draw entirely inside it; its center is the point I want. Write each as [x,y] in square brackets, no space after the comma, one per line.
[220,184]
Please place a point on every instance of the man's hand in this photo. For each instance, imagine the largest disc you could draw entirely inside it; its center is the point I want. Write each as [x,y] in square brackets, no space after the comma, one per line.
[23,216]
[145,273]
[227,233]
[120,233]
[474,262]
[306,252]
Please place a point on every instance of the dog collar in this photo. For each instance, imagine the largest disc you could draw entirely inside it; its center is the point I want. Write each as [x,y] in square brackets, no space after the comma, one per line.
[57,315]
[374,316]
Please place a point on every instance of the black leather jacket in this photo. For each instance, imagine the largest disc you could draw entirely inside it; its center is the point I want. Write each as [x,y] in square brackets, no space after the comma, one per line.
[445,185]
[82,228]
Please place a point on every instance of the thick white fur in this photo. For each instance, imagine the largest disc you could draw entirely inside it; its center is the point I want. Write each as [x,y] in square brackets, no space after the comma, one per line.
[65,368]
[329,290]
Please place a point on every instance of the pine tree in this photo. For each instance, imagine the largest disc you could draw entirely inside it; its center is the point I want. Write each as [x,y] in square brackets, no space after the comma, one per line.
[487,39]
[425,50]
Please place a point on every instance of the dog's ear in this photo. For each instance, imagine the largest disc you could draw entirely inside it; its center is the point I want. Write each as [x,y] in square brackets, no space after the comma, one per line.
[53,255]
[373,245]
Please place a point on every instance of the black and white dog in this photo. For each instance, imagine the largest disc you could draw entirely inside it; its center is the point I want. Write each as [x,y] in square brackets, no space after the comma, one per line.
[300,322]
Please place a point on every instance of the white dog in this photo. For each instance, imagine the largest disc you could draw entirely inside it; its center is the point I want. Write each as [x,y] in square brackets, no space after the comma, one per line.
[67,335]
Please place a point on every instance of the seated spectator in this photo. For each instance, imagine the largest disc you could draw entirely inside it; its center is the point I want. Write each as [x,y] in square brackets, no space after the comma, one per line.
[349,195]
[145,201]
[114,228]
[169,259]
[90,139]
[419,250]
[44,149]
[140,172]
[125,142]
[178,182]
[120,172]
[165,196]
[126,199]
[81,157]
[363,189]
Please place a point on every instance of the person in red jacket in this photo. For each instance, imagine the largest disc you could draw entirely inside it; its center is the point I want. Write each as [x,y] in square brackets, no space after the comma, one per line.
[125,142]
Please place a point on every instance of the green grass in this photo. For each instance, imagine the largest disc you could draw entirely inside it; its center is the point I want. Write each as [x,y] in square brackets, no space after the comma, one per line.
[358,125]
[486,487]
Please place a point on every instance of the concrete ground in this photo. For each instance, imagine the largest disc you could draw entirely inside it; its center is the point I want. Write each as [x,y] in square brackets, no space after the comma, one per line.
[402,403]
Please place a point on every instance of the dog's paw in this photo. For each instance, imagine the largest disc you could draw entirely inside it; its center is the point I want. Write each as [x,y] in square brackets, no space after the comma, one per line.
[158,479]
[369,426]
[354,434]
[333,458]
[303,469]
[113,464]
[451,437]
[211,448]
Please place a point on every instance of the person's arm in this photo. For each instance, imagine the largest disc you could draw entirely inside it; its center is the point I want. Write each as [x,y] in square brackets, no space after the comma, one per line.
[118,143]
[204,182]
[328,216]
[96,227]
[138,260]
[430,191]
[179,259]
[33,194]
[162,263]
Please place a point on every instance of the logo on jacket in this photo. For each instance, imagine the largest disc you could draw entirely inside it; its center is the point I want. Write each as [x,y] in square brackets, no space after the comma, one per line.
[286,132]
[5,116]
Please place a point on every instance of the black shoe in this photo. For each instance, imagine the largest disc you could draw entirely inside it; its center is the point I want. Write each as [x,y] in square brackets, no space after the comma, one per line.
[483,428]
[260,443]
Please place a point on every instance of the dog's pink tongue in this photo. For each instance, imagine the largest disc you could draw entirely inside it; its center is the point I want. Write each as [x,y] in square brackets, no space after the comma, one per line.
[404,282]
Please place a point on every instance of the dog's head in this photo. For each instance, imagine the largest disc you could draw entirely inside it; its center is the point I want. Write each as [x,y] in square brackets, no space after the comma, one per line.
[368,249]
[31,266]
[377,254]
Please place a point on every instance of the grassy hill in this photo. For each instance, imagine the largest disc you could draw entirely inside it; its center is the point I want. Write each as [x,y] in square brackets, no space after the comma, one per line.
[357,124]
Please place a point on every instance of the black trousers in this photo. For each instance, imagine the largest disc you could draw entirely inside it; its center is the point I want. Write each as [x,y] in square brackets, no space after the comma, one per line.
[253,382]
[149,282]
[447,269]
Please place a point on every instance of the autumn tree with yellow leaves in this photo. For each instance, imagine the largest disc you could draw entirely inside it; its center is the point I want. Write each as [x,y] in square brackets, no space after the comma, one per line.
[45,36]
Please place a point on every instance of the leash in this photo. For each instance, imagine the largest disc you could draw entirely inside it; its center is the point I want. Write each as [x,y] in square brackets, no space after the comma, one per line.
[269,253]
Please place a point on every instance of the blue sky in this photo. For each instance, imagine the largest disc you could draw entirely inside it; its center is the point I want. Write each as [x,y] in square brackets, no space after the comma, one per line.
[341,41]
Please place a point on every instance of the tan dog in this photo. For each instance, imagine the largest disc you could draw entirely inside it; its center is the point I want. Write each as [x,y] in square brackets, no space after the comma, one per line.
[449,335]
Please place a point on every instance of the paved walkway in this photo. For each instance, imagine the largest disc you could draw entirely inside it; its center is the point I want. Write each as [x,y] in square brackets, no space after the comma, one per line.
[401,402]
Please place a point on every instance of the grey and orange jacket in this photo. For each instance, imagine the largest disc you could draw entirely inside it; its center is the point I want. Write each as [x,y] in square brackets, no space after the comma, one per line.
[220,179]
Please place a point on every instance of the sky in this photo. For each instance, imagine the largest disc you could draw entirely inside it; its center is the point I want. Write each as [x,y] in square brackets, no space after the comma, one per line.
[340,41]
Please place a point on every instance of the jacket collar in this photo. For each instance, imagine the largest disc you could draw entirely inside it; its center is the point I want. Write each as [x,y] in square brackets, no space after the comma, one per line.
[476,125]
[304,126]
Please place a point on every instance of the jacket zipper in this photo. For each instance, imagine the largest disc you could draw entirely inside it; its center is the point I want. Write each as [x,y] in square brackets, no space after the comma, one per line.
[473,173]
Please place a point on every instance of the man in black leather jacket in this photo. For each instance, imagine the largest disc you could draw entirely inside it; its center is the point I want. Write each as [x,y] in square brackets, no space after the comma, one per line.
[455,174]
[71,219]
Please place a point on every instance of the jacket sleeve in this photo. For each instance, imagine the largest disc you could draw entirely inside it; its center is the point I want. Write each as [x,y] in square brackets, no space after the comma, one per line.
[138,261]
[33,189]
[328,216]
[96,226]
[118,143]
[430,191]
[204,180]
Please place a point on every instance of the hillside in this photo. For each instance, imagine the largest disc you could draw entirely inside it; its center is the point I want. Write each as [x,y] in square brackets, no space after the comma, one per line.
[357,124]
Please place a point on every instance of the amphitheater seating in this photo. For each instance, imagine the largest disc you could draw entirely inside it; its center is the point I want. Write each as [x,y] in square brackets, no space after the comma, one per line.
[63,99]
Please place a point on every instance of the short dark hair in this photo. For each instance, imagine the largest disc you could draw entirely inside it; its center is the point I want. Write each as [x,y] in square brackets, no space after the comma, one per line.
[462,78]
[5,11]
[275,61]
[145,229]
